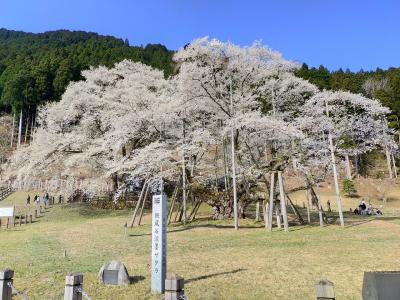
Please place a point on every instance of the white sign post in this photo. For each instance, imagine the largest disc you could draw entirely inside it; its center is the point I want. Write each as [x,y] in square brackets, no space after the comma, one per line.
[7,212]
[159,244]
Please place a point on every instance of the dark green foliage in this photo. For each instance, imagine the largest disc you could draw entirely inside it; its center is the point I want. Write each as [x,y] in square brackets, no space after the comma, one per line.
[348,187]
[36,68]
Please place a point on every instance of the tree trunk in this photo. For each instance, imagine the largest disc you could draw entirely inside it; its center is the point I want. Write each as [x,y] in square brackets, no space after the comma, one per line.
[26,130]
[235,204]
[184,175]
[336,179]
[389,164]
[20,129]
[283,202]
[394,166]
[226,182]
[356,165]
[12,131]
[32,130]
[348,168]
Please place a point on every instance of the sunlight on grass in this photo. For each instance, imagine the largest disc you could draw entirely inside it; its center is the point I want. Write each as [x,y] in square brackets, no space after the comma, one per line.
[216,261]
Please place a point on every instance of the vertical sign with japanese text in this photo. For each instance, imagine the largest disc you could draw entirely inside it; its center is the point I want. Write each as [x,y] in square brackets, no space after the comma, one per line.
[159,243]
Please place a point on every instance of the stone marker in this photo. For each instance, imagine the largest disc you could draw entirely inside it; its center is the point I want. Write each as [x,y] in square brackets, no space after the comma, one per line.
[6,277]
[174,288]
[159,243]
[114,272]
[73,286]
[381,285]
[324,289]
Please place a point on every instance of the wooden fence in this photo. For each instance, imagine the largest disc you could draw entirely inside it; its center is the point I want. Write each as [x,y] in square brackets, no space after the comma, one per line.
[4,192]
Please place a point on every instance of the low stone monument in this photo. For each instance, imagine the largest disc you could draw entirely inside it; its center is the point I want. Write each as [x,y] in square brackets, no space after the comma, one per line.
[324,289]
[381,285]
[6,278]
[73,286]
[174,288]
[114,272]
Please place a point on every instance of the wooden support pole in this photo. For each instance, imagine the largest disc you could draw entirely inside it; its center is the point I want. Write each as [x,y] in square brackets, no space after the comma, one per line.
[143,202]
[265,208]
[137,203]
[198,204]
[172,204]
[178,211]
[308,206]
[278,216]
[271,202]
[258,211]
[283,201]
[295,211]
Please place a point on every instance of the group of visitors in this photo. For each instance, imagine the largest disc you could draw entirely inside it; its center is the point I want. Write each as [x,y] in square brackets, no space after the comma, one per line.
[37,199]
[363,209]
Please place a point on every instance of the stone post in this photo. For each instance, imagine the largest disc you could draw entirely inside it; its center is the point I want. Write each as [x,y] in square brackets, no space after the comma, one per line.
[325,290]
[159,243]
[6,278]
[174,288]
[73,286]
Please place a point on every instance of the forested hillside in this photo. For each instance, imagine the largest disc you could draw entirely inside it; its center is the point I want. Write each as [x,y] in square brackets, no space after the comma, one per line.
[36,68]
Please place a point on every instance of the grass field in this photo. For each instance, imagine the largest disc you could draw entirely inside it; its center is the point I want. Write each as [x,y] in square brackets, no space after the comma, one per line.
[216,261]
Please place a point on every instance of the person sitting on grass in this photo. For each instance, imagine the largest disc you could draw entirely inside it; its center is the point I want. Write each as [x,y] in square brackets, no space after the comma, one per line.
[362,207]
[379,212]
[370,210]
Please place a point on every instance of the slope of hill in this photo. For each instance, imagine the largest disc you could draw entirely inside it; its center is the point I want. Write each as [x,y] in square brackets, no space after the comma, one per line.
[36,68]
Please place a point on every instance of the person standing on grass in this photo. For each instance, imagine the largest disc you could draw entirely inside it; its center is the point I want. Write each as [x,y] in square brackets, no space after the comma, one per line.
[328,203]
[46,199]
[28,200]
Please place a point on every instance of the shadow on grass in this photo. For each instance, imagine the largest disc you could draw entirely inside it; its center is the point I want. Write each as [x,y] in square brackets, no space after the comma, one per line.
[135,279]
[354,224]
[186,228]
[213,275]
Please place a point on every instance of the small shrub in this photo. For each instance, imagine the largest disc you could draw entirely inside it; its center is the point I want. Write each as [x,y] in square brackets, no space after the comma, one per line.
[348,187]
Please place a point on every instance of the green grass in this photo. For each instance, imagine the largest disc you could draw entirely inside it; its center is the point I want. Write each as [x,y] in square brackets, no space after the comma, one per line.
[216,261]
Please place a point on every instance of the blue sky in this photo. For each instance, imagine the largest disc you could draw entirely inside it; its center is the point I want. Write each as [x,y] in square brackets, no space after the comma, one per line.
[351,34]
